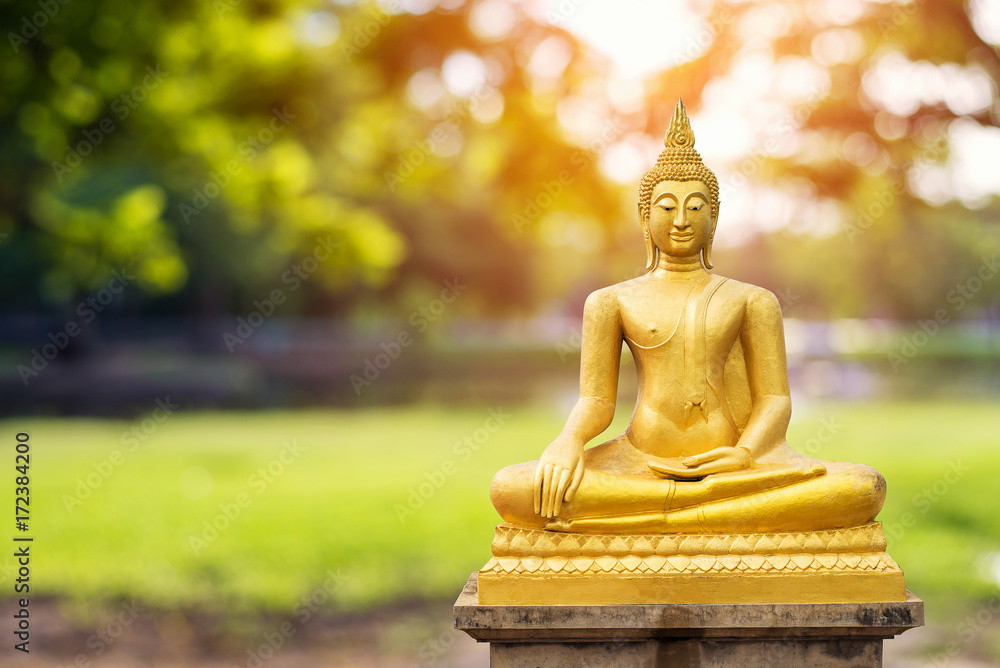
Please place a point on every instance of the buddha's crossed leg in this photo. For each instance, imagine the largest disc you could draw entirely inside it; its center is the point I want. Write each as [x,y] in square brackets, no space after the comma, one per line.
[771,497]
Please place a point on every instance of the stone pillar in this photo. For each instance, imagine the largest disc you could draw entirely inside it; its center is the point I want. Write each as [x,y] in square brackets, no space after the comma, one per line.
[690,635]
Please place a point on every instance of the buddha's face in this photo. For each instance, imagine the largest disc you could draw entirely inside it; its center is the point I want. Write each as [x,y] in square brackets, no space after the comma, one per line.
[680,217]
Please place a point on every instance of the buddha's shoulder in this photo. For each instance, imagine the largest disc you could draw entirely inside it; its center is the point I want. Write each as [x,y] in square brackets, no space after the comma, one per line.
[621,292]
[612,296]
[754,295]
[603,299]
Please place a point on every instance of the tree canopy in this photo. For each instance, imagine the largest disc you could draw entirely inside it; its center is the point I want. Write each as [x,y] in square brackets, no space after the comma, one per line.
[366,152]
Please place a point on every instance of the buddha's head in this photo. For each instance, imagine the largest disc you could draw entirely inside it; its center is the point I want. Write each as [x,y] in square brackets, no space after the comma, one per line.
[679,198]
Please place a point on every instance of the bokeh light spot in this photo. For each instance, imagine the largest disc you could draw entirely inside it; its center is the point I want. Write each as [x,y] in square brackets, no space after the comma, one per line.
[463,73]
[319,29]
[425,89]
[492,20]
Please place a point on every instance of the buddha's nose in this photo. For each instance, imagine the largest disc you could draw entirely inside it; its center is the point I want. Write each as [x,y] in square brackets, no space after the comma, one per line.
[681,221]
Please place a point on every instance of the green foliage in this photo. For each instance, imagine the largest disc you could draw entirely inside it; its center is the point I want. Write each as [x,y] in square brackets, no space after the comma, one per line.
[894,255]
[209,146]
[342,504]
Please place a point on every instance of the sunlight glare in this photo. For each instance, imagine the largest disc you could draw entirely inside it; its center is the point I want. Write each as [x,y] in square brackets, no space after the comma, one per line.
[627,160]
[319,29]
[492,19]
[641,37]
[901,86]
[986,20]
[972,164]
[463,73]
[425,89]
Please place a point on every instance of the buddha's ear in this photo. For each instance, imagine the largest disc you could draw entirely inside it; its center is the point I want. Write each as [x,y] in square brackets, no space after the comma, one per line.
[650,248]
[706,251]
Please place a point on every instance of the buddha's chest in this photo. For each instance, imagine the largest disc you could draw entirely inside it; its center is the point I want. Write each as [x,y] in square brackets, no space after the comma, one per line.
[666,318]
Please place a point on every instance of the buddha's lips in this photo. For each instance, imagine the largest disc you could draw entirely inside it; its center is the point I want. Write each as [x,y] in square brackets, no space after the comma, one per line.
[682,237]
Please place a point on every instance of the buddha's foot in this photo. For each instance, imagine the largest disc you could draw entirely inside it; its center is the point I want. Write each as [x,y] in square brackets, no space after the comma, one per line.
[557,524]
[608,523]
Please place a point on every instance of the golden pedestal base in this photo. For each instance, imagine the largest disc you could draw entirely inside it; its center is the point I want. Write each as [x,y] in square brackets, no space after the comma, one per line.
[535,567]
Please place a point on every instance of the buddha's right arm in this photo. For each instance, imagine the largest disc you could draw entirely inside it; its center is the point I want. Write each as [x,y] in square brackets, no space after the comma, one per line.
[560,468]
[589,417]
[600,361]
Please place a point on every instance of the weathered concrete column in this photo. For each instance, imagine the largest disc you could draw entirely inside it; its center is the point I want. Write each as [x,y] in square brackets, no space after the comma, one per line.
[690,635]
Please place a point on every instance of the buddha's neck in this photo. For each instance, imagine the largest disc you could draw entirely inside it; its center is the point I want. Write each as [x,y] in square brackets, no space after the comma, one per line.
[680,265]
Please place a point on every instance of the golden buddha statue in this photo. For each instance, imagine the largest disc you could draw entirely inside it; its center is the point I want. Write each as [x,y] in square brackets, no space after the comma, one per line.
[705,453]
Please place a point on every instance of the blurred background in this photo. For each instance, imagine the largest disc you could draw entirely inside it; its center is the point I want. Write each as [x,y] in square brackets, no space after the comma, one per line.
[283,284]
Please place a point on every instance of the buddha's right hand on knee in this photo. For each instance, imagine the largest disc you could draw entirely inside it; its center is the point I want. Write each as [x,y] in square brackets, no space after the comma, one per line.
[558,475]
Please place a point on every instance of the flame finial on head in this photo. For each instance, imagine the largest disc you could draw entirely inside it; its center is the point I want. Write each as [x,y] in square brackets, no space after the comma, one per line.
[679,134]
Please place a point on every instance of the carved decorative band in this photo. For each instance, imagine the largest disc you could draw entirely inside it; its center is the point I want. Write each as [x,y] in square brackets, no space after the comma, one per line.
[518,543]
[702,563]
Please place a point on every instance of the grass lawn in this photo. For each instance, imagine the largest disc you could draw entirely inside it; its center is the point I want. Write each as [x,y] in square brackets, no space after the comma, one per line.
[348,500]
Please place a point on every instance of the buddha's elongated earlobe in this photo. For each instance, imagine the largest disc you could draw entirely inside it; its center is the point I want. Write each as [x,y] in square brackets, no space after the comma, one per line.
[651,250]
[706,250]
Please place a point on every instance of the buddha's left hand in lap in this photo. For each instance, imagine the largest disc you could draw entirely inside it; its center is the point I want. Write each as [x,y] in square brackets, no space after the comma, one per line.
[719,460]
